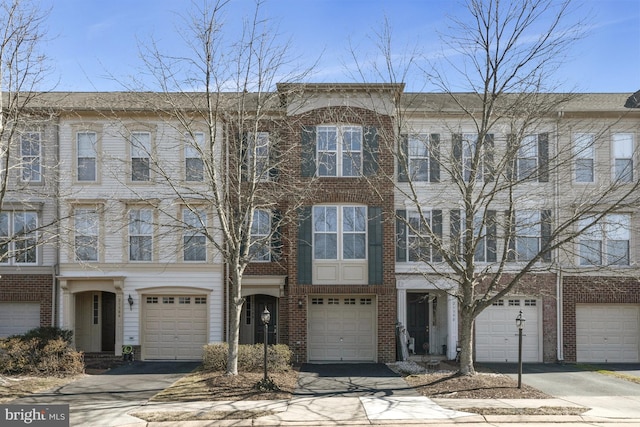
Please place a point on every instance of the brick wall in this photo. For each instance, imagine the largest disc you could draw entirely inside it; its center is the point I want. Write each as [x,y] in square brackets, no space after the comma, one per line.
[29,288]
[592,290]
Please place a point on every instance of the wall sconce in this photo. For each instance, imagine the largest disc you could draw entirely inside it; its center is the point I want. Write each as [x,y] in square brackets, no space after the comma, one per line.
[299,303]
[130,301]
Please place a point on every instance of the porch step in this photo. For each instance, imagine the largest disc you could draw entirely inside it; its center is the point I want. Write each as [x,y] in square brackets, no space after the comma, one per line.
[102,361]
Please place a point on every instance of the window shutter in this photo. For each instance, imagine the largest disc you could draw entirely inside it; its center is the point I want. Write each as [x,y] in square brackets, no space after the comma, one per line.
[545,231]
[403,158]
[456,142]
[276,237]
[401,235]
[543,157]
[454,232]
[244,159]
[370,154]
[434,157]
[273,158]
[375,245]
[436,227]
[510,225]
[305,249]
[491,236]
[512,158]
[489,165]
[308,142]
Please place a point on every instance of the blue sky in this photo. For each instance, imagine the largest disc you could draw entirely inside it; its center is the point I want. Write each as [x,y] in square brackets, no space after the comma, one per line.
[92,40]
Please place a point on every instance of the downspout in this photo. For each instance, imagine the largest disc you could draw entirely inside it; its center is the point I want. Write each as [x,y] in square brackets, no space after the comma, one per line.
[226,264]
[559,286]
[55,301]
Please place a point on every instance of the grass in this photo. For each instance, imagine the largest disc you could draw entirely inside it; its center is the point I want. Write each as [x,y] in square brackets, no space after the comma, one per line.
[15,387]
[622,376]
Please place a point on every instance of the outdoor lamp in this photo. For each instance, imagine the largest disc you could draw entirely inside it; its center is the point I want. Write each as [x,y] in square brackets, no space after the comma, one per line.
[265,316]
[520,321]
[130,301]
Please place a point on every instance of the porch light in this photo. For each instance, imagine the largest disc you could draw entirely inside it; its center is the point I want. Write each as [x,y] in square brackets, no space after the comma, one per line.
[265,317]
[520,321]
[130,301]
[520,325]
[266,383]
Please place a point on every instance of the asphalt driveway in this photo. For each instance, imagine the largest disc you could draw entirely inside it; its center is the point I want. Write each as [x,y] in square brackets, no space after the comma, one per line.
[104,400]
[607,395]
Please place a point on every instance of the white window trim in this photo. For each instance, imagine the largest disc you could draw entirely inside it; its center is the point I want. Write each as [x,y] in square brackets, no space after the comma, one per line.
[602,232]
[425,139]
[95,212]
[150,234]
[194,147]
[32,157]
[579,154]
[466,144]
[631,157]
[11,244]
[533,174]
[340,233]
[339,151]
[413,213]
[262,160]
[200,213]
[537,223]
[264,239]
[140,153]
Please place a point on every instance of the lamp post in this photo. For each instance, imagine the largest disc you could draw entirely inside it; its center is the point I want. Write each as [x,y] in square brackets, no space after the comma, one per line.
[520,324]
[265,317]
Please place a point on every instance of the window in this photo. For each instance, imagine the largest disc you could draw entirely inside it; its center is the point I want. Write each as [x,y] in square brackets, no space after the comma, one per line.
[469,146]
[18,237]
[260,247]
[584,152]
[31,158]
[140,156]
[528,234]
[86,160]
[258,156]
[339,232]
[194,165]
[622,157]
[194,240]
[528,157]
[605,243]
[339,150]
[86,234]
[484,234]
[418,160]
[140,234]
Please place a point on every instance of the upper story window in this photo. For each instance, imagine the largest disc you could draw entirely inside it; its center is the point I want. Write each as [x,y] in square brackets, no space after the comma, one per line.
[584,154]
[339,150]
[258,156]
[414,235]
[86,222]
[339,232]
[483,240]
[193,149]
[473,158]
[528,157]
[86,156]
[140,234]
[140,156]
[18,237]
[30,153]
[528,234]
[532,158]
[622,156]
[605,243]
[469,147]
[194,240]
[260,246]
[419,158]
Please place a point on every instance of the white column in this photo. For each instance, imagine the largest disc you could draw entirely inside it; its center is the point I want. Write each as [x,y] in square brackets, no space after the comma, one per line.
[452,326]
[402,307]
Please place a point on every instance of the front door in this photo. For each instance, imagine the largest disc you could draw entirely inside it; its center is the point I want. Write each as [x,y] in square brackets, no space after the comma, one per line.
[418,320]
[108,321]
[260,302]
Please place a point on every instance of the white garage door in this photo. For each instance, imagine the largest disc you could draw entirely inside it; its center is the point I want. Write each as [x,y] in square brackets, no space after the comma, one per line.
[607,333]
[18,317]
[175,327]
[342,328]
[497,334]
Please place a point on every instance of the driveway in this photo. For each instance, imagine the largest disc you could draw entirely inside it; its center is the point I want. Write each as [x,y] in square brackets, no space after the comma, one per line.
[104,400]
[607,395]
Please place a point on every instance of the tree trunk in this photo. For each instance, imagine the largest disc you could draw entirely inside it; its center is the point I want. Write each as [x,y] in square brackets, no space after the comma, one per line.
[235,310]
[466,341]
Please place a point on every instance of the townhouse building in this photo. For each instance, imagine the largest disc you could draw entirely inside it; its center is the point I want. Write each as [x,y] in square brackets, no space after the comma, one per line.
[133,264]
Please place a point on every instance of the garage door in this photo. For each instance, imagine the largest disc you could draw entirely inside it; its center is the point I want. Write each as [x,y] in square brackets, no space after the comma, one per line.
[607,333]
[342,328]
[175,327]
[18,317]
[497,335]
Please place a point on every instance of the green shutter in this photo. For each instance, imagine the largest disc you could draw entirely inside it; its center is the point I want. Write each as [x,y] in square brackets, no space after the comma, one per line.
[512,158]
[456,169]
[510,227]
[370,154]
[244,156]
[436,227]
[543,157]
[305,248]
[401,235]
[274,158]
[491,236]
[403,158]
[276,237]
[454,232]
[434,157]
[545,232]
[308,142]
[375,245]
[489,164]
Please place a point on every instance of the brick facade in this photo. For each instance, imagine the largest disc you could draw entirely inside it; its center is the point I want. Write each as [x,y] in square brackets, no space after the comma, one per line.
[30,288]
[592,290]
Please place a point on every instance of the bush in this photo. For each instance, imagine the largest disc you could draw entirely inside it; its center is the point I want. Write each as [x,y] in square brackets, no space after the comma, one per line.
[250,357]
[41,351]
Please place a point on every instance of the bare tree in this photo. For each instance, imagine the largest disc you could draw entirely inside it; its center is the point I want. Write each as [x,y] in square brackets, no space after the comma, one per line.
[24,127]
[219,94]
[498,162]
